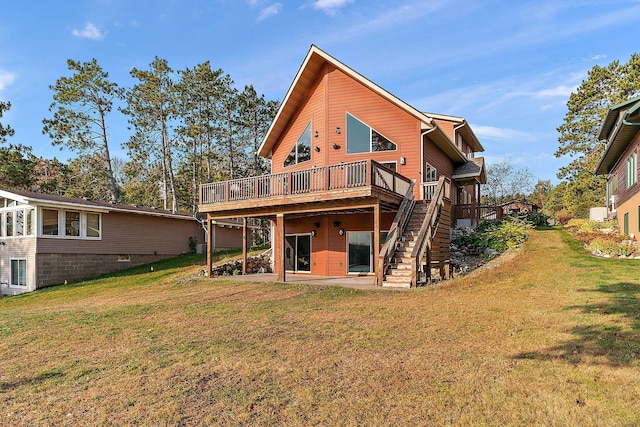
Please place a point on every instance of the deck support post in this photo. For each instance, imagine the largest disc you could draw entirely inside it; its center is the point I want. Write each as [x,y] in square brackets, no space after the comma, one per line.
[376,244]
[244,245]
[279,241]
[209,245]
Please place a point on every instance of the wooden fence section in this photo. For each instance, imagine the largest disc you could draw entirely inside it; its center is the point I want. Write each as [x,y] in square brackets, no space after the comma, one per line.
[340,176]
[478,212]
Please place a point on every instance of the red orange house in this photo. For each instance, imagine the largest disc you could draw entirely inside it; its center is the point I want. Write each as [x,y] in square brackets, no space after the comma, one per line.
[361,182]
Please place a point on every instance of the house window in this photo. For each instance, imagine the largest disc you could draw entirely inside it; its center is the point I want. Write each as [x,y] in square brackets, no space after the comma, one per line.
[18,272]
[364,139]
[72,224]
[92,225]
[390,165]
[9,224]
[632,170]
[430,173]
[84,225]
[50,222]
[301,152]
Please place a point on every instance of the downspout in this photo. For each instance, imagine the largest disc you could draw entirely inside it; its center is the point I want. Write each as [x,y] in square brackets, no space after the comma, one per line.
[422,159]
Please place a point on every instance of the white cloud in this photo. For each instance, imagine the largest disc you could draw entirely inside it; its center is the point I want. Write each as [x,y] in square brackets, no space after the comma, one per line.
[492,132]
[6,78]
[268,11]
[330,6]
[89,31]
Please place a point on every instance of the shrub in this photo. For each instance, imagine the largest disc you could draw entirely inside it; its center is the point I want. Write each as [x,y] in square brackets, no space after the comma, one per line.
[508,234]
[564,219]
[610,245]
[537,219]
[497,235]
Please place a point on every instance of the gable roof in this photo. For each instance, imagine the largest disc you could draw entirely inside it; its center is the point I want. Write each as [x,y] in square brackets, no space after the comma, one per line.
[619,128]
[304,79]
[55,200]
[474,168]
[461,125]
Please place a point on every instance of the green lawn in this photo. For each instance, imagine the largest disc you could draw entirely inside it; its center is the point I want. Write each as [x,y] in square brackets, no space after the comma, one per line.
[548,337]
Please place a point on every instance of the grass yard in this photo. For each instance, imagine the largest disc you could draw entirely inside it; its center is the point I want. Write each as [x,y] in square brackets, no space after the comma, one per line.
[550,337]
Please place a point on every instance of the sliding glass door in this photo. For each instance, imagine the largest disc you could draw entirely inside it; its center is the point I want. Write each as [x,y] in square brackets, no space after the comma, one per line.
[297,252]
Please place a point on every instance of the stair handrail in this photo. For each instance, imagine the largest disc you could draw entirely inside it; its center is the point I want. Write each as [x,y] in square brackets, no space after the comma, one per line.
[425,236]
[395,232]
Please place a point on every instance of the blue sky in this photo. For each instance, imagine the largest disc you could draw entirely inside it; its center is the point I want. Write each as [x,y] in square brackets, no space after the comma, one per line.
[507,66]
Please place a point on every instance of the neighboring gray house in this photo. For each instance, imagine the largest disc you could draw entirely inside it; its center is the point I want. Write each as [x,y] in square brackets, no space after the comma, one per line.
[47,239]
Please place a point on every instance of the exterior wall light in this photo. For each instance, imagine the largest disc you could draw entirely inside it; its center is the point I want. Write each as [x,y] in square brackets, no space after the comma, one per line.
[317,149]
[316,134]
[335,146]
[338,129]
[403,160]
[313,233]
[341,232]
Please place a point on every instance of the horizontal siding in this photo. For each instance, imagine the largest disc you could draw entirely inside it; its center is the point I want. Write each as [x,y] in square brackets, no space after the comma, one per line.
[630,207]
[620,173]
[347,95]
[311,110]
[131,234]
[18,248]
[328,248]
[228,238]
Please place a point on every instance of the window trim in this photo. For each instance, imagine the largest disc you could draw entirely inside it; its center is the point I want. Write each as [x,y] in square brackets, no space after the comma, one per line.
[18,286]
[62,217]
[632,169]
[371,130]
[14,211]
[296,161]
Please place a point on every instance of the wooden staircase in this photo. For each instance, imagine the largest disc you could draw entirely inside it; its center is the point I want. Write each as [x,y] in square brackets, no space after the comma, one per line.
[420,242]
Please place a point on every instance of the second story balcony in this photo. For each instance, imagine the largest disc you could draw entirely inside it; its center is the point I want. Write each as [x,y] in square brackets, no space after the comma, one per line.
[339,183]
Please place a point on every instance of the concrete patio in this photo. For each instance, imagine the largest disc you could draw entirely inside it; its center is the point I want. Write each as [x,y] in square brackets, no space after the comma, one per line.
[353,282]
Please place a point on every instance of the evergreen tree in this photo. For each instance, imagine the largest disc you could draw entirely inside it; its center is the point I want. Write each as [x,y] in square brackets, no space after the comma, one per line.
[151,105]
[16,167]
[587,106]
[80,108]
[5,130]
[256,115]
[200,90]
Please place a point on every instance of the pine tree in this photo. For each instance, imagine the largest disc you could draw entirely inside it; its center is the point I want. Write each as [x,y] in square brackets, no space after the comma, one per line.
[80,108]
[587,106]
[5,130]
[151,105]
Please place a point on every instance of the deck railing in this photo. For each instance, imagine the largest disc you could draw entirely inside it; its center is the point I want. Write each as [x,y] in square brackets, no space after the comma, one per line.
[395,233]
[478,212]
[425,236]
[335,177]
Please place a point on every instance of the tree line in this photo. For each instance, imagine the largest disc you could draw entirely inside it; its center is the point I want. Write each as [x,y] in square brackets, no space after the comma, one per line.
[186,127]
[193,126]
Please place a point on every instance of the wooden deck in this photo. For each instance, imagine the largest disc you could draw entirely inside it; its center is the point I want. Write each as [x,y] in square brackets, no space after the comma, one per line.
[335,187]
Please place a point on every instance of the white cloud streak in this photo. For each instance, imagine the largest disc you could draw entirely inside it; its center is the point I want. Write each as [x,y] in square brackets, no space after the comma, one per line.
[330,6]
[6,78]
[269,11]
[89,31]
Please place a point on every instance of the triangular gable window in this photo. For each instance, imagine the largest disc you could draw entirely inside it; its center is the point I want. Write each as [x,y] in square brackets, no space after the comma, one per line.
[301,152]
[364,139]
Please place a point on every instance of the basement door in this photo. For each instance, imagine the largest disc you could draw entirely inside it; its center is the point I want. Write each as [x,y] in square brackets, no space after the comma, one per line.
[360,251]
[297,253]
